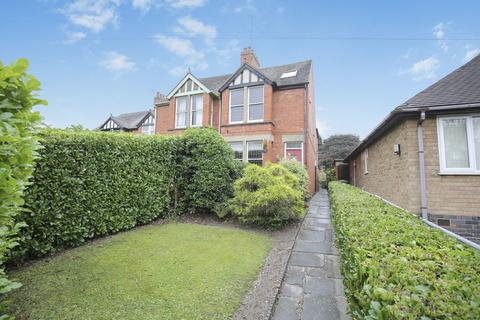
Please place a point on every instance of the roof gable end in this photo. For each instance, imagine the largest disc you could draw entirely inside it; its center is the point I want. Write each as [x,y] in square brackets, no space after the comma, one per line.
[196,86]
[239,77]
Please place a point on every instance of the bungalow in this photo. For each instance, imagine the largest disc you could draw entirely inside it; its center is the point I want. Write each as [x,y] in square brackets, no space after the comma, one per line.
[425,156]
[142,122]
[265,114]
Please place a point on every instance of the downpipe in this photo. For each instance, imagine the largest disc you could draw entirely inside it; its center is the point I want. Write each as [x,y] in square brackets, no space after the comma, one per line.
[421,162]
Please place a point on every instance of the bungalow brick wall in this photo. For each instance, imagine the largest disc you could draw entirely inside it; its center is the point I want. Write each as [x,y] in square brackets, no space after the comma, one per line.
[453,201]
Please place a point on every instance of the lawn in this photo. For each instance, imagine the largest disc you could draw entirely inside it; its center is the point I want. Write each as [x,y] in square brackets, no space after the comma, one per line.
[173,271]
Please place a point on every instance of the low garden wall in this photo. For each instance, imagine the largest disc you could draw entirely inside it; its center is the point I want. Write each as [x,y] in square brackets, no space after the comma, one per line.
[396,267]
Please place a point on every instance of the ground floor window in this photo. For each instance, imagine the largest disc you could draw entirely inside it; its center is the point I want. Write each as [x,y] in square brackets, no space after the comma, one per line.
[294,150]
[459,144]
[237,148]
[255,152]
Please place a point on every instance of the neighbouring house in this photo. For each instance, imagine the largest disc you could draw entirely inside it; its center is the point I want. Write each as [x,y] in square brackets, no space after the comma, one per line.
[265,114]
[425,156]
[142,122]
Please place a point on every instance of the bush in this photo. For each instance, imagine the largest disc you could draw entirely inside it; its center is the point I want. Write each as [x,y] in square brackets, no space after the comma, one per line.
[299,171]
[267,196]
[91,184]
[17,152]
[396,267]
[331,175]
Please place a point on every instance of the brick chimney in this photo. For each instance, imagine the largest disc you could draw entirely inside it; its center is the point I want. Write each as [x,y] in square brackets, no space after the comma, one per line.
[248,56]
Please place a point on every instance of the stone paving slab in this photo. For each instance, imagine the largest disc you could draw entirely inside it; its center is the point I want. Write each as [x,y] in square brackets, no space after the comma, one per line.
[312,287]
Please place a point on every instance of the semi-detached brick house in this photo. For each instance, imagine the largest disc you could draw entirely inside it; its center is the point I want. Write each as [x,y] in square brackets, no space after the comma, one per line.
[265,114]
[425,156]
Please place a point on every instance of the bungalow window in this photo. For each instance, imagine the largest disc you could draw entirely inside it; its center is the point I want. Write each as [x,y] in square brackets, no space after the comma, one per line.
[255,152]
[237,148]
[255,103]
[196,110]
[236,105]
[181,112]
[294,150]
[365,161]
[459,144]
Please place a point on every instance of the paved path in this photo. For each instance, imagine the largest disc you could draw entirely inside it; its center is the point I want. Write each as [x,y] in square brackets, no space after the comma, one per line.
[313,286]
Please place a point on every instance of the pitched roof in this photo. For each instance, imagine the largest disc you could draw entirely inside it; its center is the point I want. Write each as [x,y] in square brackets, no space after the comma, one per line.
[131,120]
[462,86]
[272,73]
[459,90]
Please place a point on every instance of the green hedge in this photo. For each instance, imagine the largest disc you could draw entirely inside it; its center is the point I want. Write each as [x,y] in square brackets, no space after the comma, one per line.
[17,152]
[397,267]
[91,184]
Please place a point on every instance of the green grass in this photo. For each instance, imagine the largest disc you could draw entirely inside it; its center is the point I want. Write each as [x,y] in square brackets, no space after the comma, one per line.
[174,271]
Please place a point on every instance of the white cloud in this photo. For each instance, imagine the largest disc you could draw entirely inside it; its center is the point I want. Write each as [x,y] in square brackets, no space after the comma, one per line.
[423,69]
[74,37]
[143,5]
[186,3]
[247,6]
[117,63]
[92,14]
[183,48]
[193,27]
[439,34]
[470,54]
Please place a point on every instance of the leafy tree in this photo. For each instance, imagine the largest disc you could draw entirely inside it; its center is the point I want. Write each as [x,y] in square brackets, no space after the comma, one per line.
[336,147]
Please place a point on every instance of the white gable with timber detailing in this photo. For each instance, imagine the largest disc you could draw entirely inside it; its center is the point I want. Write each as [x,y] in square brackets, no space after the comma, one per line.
[188,86]
[244,77]
[110,125]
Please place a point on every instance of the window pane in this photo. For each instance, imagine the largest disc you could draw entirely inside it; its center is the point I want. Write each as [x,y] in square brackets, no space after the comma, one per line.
[237,148]
[237,114]
[476,139]
[236,97]
[294,145]
[197,110]
[456,145]
[181,104]
[255,112]
[255,152]
[181,112]
[255,94]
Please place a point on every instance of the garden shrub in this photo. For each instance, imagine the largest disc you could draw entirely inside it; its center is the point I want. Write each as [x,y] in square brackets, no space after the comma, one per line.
[267,196]
[397,267]
[299,171]
[91,184]
[17,151]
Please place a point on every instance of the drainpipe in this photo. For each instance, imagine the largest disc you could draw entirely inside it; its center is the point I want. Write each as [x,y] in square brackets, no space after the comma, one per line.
[211,111]
[305,124]
[421,160]
[354,173]
[220,113]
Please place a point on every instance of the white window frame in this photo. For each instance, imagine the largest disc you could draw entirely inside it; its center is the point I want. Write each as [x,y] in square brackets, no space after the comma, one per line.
[285,150]
[243,149]
[472,170]
[365,161]
[190,111]
[247,148]
[176,112]
[237,105]
[256,103]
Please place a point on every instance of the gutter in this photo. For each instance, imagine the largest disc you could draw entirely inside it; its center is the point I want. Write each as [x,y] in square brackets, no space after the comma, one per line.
[421,164]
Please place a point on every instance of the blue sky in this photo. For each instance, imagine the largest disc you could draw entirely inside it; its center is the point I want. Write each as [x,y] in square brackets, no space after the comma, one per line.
[110,56]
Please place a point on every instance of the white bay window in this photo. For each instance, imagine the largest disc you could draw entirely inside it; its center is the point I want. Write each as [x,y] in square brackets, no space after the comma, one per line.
[459,144]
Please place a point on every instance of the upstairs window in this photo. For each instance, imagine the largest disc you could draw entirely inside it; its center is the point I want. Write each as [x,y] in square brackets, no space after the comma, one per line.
[294,150]
[289,74]
[181,112]
[459,144]
[148,127]
[255,152]
[255,103]
[196,110]
[236,105]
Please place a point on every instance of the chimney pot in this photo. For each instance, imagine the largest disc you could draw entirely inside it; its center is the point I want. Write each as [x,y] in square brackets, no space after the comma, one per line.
[249,57]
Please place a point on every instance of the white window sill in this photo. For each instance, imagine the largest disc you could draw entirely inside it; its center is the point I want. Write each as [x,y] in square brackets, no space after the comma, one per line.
[453,173]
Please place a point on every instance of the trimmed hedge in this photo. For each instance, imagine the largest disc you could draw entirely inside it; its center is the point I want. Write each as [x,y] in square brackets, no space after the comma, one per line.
[17,151]
[396,267]
[91,184]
